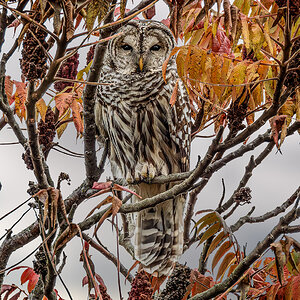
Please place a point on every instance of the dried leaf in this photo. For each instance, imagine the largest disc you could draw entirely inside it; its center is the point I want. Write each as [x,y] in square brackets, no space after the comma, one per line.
[65,236]
[69,19]
[165,64]
[60,130]
[123,8]
[276,125]
[227,16]
[96,8]
[280,260]
[63,101]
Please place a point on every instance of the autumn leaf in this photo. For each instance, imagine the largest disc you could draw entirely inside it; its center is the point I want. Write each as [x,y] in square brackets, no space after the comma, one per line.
[277,123]
[9,86]
[221,251]
[42,108]
[19,98]
[30,276]
[96,8]
[78,122]
[280,260]
[65,236]
[149,13]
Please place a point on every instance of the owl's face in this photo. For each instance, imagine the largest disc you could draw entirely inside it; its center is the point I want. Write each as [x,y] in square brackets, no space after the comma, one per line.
[143,46]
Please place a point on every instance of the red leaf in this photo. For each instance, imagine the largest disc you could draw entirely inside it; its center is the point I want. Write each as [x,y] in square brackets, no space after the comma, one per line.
[85,280]
[16,268]
[6,287]
[63,102]
[16,296]
[101,185]
[32,278]
[149,13]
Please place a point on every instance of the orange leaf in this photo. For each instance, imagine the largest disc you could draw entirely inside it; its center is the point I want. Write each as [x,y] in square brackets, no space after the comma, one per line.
[76,109]
[19,98]
[63,101]
[228,260]
[221,251]
[42,108]
[9,85]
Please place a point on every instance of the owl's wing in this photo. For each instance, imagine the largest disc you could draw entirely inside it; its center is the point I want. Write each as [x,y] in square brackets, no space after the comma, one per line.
[180,126]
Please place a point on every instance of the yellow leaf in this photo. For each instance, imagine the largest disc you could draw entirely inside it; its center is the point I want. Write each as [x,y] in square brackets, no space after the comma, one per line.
[245,31]
[64,123]
[96,8]
[84,71]
[206,220]
[42,108]
[256,37]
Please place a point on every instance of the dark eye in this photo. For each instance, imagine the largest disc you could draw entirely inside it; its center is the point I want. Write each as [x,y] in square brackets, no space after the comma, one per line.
[155,48]
[126,47]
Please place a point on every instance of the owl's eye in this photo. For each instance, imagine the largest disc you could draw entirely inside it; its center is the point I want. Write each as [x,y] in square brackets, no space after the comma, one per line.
[155,47]
[126,47]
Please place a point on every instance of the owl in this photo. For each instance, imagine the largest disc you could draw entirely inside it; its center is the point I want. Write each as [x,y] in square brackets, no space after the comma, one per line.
[147,136]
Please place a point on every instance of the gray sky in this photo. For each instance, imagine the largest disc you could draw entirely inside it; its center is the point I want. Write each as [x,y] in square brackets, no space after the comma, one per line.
[272,183]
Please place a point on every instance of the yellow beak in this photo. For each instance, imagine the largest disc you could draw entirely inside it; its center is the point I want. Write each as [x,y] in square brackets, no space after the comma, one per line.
[141,63]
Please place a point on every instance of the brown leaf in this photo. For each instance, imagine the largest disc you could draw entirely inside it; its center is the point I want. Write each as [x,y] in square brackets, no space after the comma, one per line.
[149,13]
[69,19]
[227,16]
[54,197]
[123,8]
[276,125]
[65,237]
[103,202]
[116,205]
[228,260]
[280,260]
[96,8]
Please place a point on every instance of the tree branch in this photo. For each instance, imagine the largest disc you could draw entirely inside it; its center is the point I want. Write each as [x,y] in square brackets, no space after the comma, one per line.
[251,258]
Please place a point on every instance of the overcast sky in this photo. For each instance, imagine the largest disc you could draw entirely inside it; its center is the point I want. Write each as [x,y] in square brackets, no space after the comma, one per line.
[272,183]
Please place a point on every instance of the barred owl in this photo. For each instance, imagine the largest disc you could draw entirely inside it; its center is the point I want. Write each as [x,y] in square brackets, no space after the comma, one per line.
[147,136]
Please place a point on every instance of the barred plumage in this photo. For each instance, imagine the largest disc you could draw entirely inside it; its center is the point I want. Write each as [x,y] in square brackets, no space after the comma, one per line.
[147,137]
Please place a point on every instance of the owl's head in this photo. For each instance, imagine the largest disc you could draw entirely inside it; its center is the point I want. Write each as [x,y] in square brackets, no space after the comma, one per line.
[143,46]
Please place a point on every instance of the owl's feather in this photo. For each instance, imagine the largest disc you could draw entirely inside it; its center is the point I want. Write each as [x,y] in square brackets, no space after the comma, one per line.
[147,136]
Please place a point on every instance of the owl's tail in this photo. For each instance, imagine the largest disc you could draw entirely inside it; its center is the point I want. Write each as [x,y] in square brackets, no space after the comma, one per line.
[159,234]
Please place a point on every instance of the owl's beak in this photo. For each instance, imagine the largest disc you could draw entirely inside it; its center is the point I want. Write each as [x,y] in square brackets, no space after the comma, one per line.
[141,63]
